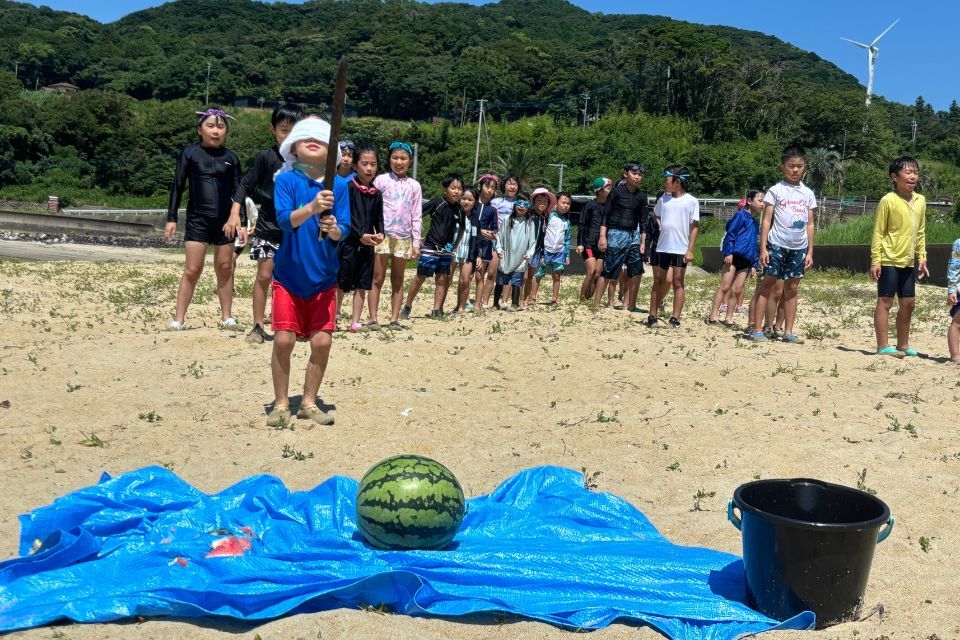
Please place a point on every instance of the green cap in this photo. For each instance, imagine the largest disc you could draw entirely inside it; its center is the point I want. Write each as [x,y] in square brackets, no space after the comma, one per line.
[600,183]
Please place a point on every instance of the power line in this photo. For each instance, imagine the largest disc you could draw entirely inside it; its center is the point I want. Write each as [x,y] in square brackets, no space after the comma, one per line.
[207,99]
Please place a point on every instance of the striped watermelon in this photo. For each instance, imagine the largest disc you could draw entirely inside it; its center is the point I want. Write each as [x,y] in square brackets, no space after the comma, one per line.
[409,502]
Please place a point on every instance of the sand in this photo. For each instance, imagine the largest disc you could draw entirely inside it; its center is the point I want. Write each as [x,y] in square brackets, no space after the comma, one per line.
[654,416]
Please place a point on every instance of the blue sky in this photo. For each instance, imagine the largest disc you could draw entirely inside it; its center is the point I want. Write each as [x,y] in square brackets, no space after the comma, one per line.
[918,57]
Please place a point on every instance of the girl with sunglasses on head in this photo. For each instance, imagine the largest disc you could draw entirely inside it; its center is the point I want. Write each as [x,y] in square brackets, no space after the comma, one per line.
[214,173]
[403,224]
[516,243]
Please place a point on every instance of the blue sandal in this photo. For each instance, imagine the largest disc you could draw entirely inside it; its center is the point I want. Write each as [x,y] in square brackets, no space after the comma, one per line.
[890,351]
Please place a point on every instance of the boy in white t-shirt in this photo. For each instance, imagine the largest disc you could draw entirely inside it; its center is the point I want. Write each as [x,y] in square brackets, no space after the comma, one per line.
[786,241]
[677,213]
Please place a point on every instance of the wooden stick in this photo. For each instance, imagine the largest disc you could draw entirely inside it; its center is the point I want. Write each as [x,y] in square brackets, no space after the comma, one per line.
[336,117]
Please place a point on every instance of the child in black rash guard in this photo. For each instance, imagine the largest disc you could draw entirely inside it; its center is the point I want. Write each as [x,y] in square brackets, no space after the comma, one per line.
[447,226]
[213,172]
[366,231]
[257,184]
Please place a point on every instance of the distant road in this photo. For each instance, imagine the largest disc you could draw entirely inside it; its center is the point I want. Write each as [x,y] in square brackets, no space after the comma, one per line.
[86,252]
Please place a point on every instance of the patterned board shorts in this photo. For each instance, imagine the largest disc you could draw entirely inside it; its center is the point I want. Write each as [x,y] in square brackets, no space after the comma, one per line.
[396,247]
[623,248]
[260,249]
[551,262]
[785,264]
[431,263]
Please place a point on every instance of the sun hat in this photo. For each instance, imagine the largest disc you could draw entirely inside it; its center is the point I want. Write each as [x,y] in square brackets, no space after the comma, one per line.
[543,191]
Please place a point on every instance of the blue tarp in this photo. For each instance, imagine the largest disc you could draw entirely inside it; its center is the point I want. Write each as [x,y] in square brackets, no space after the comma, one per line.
[540,546]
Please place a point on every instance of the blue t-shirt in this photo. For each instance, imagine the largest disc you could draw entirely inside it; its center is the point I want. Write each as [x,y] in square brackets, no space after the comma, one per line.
[305,265]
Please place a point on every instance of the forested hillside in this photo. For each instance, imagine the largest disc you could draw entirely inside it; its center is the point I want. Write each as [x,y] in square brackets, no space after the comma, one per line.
[720,99]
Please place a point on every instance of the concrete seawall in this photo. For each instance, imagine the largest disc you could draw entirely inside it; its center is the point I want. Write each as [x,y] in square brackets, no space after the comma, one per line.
[854,258]
[54,223]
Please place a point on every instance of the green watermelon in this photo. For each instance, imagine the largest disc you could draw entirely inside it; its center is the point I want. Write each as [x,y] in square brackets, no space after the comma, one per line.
[409,502]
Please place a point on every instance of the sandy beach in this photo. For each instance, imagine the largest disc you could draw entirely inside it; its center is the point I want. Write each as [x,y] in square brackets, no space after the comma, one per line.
[654,416]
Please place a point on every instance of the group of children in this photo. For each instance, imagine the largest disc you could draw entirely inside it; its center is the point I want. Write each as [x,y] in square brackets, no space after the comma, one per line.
[316,240]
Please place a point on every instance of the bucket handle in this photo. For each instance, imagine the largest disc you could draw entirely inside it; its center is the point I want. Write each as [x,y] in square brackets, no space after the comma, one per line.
[885,532]
[735,521]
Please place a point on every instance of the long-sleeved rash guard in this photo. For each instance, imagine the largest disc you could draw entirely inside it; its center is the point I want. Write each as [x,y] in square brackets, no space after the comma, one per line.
[214,175]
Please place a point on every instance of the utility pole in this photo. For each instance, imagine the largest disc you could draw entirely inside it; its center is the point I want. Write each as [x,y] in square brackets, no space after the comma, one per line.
[476,156]
[207,100]
[586,101]
[16,68]
[913,130]
[561,167]
[416,156]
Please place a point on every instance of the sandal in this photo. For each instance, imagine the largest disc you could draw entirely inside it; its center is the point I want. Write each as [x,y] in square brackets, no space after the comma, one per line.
[228,324]
[711,322]
[910,353]
[674,322]
[279,417]
[792,338]
[758,336]
[373,325]
[395,325]
[175,326]
[356,327]
[313,413]
[890,351]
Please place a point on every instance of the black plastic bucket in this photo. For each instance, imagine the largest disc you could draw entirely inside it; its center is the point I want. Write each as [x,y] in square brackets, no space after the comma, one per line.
[808,546]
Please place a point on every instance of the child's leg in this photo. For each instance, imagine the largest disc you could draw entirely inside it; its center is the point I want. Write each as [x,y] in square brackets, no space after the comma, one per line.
[881,321]
[223,261]
[441,284]
[585,290]
[534,288]
[463,291]
[528,281]
[765,290]
[379,276]
[320,343]
[359,297]
[658,276]
[283,344]
[679,292]
[727,274]
[739,278]
[195,253]
[491,279]
[773,306]
[953,338]
[556,285]
[479,277]
[339,300]
[414,289]
[904,315]
[599,289]
[397,269]
[790,288]
[261,288]
[498,295]
[515,297]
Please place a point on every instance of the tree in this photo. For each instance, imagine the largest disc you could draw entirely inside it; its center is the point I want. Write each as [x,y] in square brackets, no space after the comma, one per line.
[823,165]
[518,162]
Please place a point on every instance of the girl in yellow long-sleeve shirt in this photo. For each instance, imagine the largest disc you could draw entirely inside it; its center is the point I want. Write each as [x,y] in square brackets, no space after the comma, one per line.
[898,255]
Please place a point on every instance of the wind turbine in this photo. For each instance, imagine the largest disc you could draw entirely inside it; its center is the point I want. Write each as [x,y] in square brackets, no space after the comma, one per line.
[873,51]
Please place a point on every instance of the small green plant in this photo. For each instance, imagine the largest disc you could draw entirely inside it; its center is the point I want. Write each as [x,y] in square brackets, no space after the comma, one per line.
[150,416]
[699,497]
[496,328]
[290,452]
[590,479]
[90,440]
[602,417]
[674,467]
[73,387]
[862,483]
[925,545]
[835,372]
[194,369]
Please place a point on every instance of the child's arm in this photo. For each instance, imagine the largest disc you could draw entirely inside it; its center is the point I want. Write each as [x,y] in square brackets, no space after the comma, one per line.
[953,273]
[566,244]
[922,242]
[461,229]
[881,217]
[729,238]
[417,220]
[176,194]
[237,221]
[694,232]
[604,219]
[764,232]
[808,261]
[584,221]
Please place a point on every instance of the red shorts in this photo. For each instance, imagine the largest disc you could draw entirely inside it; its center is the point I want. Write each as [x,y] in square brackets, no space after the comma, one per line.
[304,316]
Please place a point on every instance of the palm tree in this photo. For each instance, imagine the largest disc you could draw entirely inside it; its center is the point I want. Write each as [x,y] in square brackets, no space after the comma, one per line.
[823,165]
[518,162]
